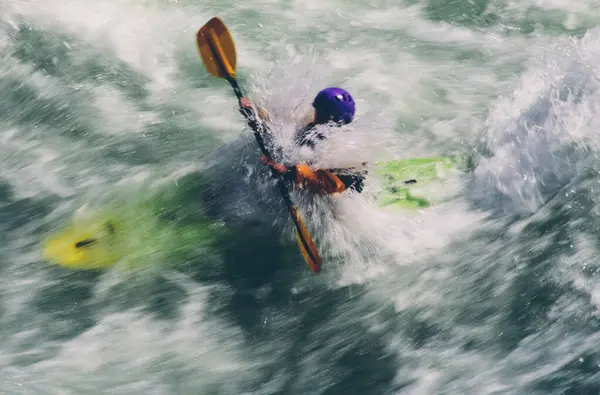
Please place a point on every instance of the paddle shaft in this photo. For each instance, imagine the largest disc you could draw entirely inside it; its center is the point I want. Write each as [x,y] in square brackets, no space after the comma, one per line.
[280,183]
[302,234]
[261,143]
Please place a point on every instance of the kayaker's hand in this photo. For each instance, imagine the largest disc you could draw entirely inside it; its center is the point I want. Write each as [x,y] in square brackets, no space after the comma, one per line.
[278,167]
[245,102]
[246,111]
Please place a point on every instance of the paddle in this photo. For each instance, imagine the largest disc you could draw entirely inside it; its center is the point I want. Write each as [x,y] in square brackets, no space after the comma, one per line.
[217,50]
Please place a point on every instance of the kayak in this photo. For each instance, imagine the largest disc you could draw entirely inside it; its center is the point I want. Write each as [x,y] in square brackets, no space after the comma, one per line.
[415,183]
[142,232]
[133,234]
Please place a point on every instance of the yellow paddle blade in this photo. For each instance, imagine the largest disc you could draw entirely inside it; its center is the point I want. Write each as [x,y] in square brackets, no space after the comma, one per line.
[217,49]
[305,242]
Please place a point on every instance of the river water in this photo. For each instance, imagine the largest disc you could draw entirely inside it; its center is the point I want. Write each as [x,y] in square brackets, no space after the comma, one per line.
[496,291]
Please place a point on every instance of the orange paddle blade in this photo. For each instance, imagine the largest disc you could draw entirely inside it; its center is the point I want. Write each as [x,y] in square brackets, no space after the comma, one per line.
[217,49]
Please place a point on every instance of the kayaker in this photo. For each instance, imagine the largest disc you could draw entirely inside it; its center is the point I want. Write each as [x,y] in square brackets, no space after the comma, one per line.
[332,107]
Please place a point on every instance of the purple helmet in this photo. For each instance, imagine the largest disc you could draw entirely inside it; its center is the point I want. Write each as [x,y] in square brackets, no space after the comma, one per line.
[335,104]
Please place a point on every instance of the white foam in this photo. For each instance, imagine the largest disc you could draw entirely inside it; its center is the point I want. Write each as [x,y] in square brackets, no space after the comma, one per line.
[528,132]
[159,348]
[409,79]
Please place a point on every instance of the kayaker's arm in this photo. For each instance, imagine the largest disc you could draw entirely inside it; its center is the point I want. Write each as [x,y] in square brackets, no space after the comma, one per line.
[247,110]
[318,181]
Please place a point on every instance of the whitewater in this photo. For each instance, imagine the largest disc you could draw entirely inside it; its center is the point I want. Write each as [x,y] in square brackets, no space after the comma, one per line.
[495,291]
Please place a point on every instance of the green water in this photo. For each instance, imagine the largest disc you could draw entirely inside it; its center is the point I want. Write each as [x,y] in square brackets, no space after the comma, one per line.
[493,290]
